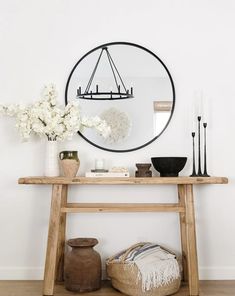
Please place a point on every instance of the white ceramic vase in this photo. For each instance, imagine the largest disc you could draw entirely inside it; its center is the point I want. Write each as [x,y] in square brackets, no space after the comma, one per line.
[51,159]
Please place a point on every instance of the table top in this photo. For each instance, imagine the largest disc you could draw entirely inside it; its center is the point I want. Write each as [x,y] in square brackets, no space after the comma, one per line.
[123,181]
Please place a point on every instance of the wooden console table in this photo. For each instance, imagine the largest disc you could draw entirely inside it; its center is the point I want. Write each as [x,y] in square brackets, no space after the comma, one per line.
[60,207]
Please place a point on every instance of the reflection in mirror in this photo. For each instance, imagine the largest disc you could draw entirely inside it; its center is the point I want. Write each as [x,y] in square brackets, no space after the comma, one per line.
[162,112]
[135,121]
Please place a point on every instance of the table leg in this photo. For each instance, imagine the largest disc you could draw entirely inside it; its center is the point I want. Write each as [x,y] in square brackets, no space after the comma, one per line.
[181,195]
[61,239]
[191,241]
[52,241]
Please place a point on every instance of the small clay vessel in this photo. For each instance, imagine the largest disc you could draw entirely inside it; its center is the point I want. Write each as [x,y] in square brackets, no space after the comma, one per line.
[143,170]
[82,268]
[69,163]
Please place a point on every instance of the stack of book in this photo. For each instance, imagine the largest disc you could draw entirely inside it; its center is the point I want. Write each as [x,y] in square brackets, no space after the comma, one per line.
[113,173]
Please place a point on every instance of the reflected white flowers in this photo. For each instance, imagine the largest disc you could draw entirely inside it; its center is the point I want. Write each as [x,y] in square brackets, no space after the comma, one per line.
[45,118]
[119,123]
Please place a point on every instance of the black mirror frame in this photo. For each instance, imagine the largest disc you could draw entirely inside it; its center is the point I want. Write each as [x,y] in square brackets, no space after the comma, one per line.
[172,85]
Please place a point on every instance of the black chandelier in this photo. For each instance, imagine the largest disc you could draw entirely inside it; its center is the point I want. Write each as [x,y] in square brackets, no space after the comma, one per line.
[100,95]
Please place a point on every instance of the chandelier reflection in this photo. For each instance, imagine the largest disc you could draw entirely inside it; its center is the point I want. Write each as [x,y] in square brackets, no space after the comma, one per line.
[121,91]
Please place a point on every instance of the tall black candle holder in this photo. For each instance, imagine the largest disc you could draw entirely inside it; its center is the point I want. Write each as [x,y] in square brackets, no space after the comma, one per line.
[199,173]
[205,174]
[194,168]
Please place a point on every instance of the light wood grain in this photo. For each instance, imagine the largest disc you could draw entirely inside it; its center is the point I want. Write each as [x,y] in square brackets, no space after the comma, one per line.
[120,207]
[33,288]
[52,241]
[181,196]
[61,239]
[191,241]
[59,208]
[123,181]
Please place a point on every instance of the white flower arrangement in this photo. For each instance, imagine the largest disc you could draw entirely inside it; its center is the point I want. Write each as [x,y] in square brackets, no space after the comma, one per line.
[119,123]
[45,118]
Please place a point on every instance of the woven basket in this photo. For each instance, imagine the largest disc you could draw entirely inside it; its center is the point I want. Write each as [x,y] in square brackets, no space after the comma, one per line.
[124,277]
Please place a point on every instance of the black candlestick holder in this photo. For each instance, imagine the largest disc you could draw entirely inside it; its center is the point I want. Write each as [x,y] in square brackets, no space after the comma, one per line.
[205,174]
[199,173]
[194,168]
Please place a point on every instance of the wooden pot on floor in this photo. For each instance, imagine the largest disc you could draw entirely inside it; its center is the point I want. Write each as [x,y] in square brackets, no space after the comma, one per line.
[82,270]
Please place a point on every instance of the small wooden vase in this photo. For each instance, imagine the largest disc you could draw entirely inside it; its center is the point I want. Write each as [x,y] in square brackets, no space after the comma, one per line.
[70,163]
[143,170]
[82,269]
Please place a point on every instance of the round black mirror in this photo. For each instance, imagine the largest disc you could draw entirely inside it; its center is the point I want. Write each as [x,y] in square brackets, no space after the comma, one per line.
[128,86]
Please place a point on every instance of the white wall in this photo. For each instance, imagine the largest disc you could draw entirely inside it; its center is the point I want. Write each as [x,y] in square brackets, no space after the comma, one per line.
[40,41]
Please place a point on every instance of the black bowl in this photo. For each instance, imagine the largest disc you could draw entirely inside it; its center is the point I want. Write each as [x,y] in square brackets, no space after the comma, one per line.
[169,166]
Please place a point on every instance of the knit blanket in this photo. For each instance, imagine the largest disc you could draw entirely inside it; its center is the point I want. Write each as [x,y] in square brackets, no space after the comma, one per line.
[156,266]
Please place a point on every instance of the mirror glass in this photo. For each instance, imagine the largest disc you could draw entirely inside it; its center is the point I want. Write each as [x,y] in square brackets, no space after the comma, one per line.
[135,121]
